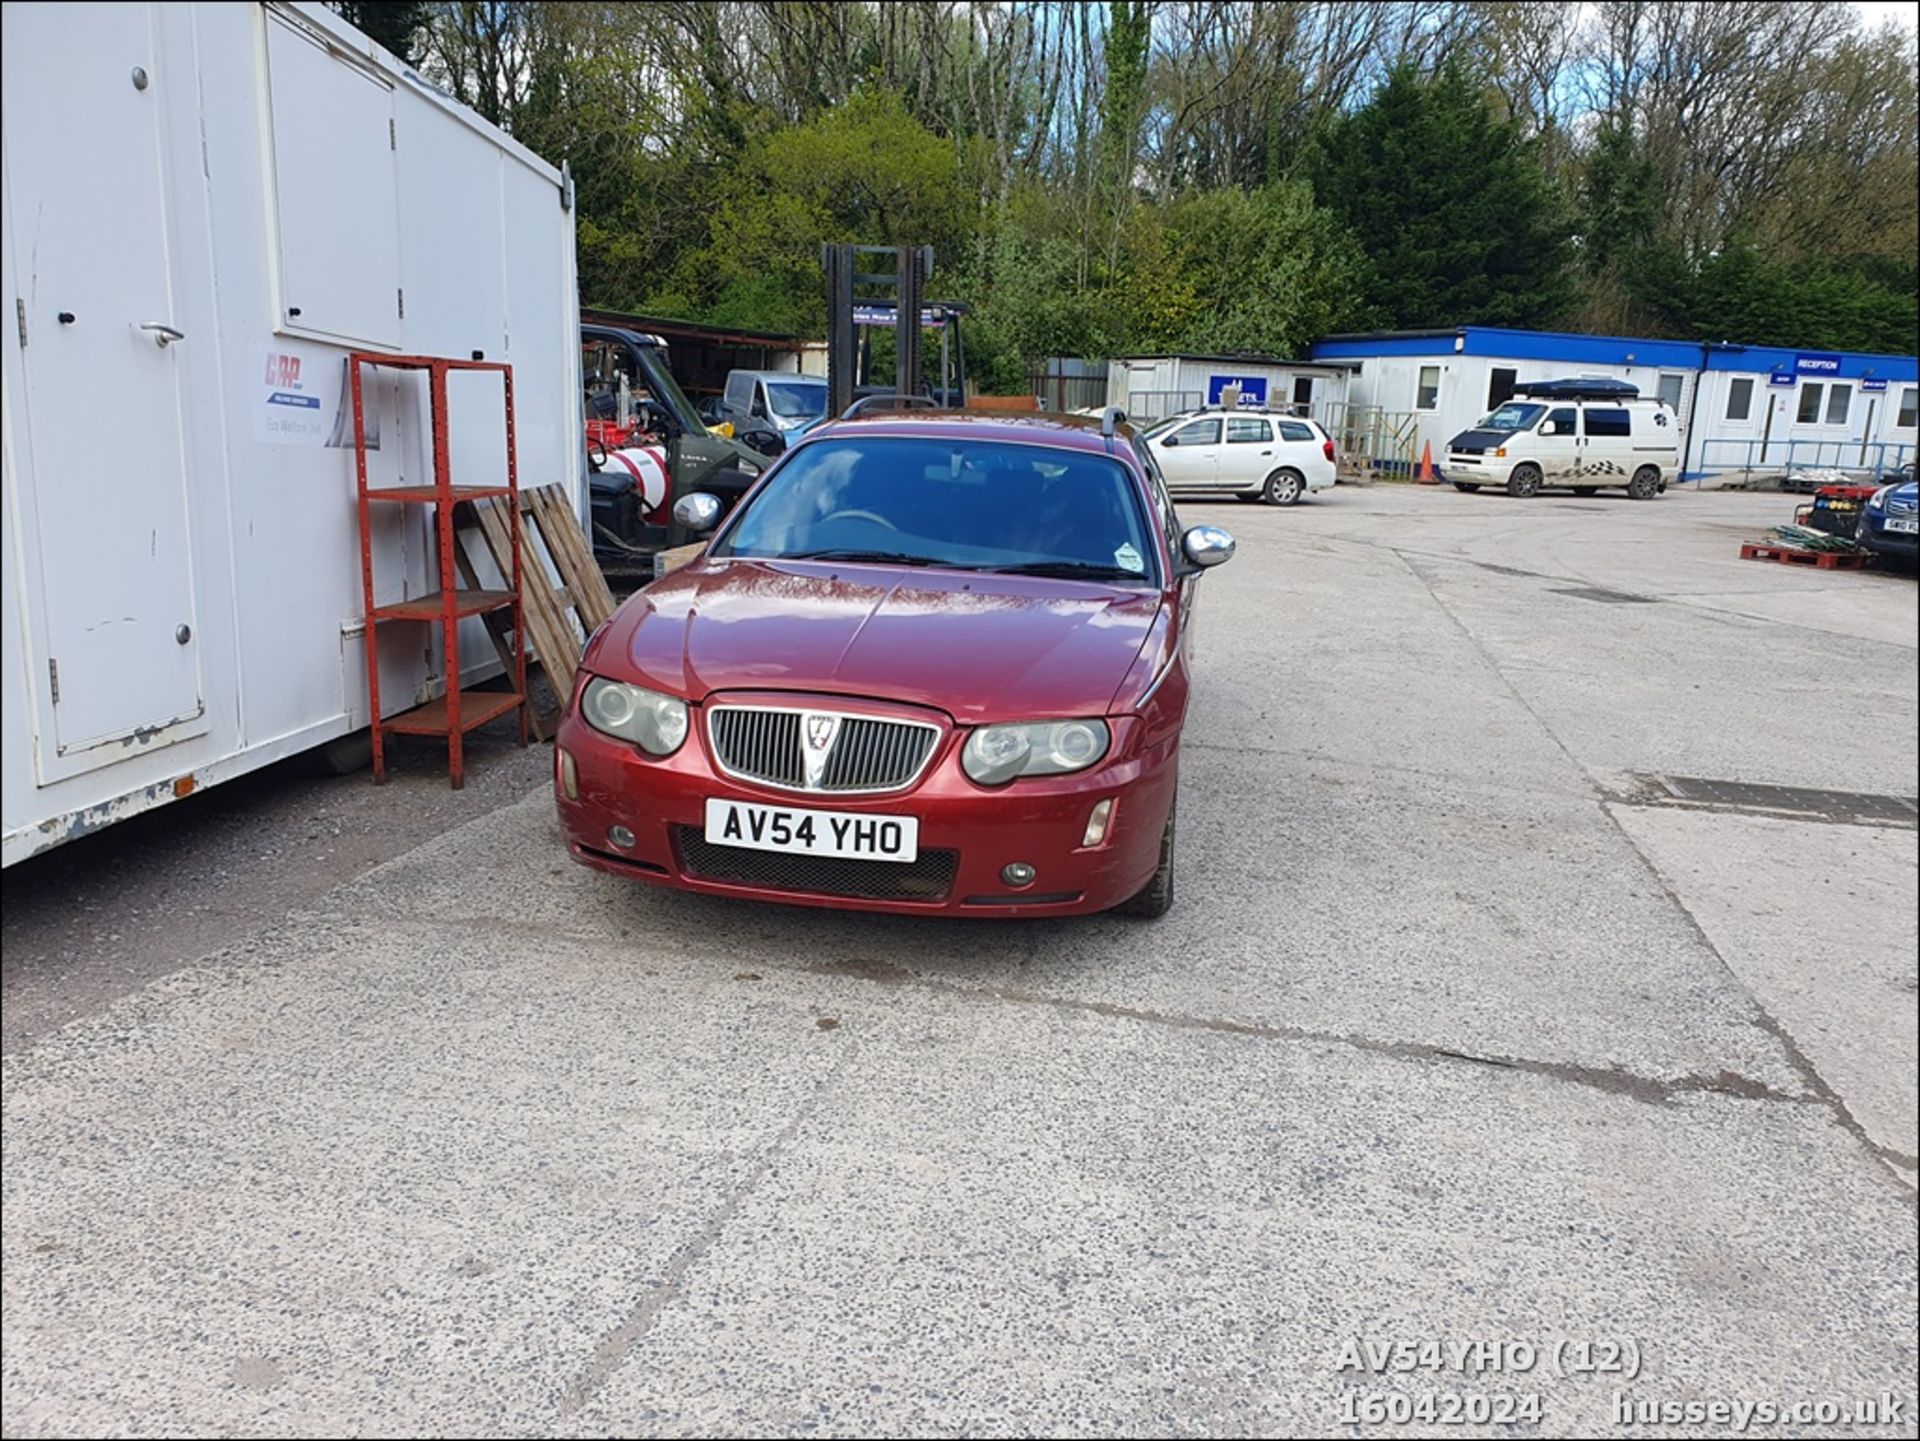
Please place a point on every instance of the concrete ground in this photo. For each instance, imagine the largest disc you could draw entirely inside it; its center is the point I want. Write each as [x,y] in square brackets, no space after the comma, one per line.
[1465,1028]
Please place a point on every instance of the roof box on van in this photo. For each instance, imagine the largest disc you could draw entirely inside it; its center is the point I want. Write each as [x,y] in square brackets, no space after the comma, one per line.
[1594,389]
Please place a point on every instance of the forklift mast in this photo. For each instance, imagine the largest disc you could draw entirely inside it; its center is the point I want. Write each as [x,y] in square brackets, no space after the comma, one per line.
[901,288]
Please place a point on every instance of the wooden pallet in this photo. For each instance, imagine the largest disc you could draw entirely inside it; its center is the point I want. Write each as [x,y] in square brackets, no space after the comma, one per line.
[560,616]
[1821,559]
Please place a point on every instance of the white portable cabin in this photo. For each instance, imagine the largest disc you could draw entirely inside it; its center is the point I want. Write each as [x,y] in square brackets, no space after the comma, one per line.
[207,206]
[1152,387]
[1738,407]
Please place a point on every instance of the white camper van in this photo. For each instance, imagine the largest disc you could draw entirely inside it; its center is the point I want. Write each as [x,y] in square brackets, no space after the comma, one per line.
[1585,435]
[207,206]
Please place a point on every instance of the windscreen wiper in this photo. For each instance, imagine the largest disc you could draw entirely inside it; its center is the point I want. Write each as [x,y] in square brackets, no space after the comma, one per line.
[878,557]
[1068,570]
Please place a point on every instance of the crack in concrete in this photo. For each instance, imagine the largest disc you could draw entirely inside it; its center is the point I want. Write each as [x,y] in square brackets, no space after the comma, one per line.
[618,1344]
[1650,1090]
[1810,1076]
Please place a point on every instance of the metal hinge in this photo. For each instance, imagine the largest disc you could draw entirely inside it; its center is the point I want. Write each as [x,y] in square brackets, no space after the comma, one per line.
[53,674]
[400,297]
[393,139]
[20,311]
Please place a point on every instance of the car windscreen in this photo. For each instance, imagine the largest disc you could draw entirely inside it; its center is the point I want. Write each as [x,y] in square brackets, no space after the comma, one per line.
[961,504]
[1514,415]
[791,400]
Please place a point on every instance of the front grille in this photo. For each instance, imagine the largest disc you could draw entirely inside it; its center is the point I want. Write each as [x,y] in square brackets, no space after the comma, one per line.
[761,744]
[865,754]
[928,878]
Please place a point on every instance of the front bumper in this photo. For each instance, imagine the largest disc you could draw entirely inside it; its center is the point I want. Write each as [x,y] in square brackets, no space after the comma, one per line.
[1873,534]
[967,832]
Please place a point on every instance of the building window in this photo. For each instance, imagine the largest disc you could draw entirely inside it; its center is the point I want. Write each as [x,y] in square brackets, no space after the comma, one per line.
[1909,408]
[1670,388]
[1809,412]
[1839,400]
[1427,395]
[1302,394]
[1608,421]
[1740,399]
[1500,386]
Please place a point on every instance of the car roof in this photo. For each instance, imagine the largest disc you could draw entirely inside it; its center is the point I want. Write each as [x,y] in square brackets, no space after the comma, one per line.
[1071,432]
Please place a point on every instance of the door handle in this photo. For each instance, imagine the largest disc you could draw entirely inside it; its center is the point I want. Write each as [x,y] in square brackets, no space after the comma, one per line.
[1266,452]
[163,335]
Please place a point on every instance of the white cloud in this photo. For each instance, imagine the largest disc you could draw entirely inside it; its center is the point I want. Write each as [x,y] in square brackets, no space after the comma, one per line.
[1877,12]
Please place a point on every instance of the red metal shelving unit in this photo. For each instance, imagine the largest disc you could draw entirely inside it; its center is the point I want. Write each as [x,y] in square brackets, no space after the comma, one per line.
[453,714]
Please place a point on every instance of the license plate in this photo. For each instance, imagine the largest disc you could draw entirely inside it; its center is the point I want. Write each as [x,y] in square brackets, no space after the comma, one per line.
[1904,527]
[841,834]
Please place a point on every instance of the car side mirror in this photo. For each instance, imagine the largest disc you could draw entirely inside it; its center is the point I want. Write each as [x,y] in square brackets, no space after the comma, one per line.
[1550,429]
[700,512]
[1206,546]
[1171,441]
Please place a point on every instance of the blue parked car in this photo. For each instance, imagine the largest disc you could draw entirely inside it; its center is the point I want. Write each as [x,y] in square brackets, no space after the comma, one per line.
[1890,521]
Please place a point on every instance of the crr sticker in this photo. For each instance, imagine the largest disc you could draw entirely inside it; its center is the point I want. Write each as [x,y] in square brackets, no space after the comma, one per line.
[1127,558]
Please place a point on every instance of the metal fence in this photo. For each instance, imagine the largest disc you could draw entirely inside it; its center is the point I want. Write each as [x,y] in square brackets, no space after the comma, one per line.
[1367,438]
[1145,407]
[1062,385]
[1751,458]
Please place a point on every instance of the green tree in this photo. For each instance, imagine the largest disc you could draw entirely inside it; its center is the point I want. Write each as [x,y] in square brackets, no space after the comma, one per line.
[396,24]
[865,171]
[1455,215]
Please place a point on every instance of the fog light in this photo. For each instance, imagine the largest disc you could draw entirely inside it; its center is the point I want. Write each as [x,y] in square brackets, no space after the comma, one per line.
[1017,873]
[1097,823]
[621,837]
[569,778]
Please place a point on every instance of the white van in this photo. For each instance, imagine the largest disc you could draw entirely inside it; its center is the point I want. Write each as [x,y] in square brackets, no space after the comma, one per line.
[1579,434]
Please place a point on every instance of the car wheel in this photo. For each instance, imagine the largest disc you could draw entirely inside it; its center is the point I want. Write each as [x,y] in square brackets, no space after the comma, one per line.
[1645,484]
[1466,487]
[1524,481]
[1284,487]
[1155,898]
[1586,490]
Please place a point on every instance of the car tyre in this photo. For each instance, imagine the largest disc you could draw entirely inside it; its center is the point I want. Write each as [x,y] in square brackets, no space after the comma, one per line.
[1645,484]
[1524,481]
[1155,898]
[1284,487]
[1466,487]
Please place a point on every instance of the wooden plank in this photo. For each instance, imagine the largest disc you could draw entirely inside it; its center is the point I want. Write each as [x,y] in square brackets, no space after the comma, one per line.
[548,627]
[498,631]
[672,560]
[574,557]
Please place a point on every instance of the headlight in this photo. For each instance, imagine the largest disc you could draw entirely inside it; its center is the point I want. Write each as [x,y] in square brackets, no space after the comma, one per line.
[654,722]
[1878,500]
[994,755]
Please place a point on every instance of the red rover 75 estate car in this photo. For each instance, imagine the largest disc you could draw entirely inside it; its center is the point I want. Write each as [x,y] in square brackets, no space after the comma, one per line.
[933,662]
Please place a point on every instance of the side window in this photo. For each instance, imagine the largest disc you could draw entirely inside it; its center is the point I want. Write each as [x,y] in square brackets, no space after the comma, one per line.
[1809,411]
[739,391]
[1500,383]
[1426,394]
[1670,388]
[1246,430]
[1740,398]
[1608,421]
[1909,408]
[1839,401]
[1200,432]
[1162,502]
[1294,430]
[1562,421]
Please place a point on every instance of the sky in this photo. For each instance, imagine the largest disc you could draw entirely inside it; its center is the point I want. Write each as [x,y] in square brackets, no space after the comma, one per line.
[1876,12]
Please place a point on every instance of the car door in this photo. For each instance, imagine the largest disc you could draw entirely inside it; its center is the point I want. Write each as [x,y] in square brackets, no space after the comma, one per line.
[1606,444]
[1555,444]
[1189,456]
[1246,455]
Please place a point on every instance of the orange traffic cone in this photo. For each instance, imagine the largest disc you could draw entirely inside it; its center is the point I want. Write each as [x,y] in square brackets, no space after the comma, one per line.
[1427,476]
